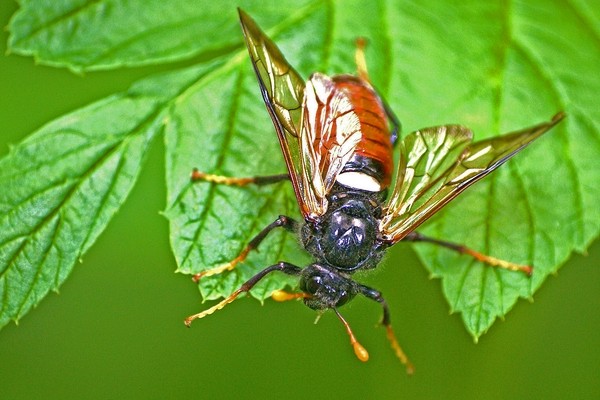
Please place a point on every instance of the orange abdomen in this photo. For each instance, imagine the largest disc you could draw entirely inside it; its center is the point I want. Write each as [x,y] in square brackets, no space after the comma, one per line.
[376,144]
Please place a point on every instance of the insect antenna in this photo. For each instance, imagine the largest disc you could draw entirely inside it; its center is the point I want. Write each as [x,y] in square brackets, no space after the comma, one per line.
[361,353]
[282,295]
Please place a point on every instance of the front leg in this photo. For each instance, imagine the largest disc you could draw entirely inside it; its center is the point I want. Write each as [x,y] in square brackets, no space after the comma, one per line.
[282,221]
[284,267]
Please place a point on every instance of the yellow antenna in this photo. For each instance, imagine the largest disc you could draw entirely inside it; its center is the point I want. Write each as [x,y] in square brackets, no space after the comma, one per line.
[361,353]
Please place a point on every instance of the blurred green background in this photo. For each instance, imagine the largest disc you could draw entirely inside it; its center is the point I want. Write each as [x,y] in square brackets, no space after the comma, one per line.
[116,329]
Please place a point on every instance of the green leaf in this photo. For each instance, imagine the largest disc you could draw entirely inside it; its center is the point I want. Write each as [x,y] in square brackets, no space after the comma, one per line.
[541,206]
[60,187]
[494,66]
[211,224]
[94,35]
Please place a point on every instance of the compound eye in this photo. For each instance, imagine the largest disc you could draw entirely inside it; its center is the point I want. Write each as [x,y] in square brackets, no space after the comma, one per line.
[344,297]
[314,284]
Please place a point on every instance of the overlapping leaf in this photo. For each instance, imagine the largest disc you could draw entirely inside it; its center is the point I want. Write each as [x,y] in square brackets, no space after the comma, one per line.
[493,66]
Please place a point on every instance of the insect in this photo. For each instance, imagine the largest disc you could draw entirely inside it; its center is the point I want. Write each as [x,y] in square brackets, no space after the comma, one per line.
[337,136]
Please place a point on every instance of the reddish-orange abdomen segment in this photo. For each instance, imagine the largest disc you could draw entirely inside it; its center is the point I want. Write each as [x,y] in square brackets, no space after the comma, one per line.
[376,141]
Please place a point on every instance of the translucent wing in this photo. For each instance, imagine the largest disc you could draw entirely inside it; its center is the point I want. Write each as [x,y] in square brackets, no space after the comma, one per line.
[316,123]
[436,164]
[282,89]
[330,133]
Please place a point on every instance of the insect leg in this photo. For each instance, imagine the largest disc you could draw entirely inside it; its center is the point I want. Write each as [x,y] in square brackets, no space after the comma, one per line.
[284,267]
[359,59]
[396,125]
[282,221]
[385,321]
[489,260]
[363,73]
[225,180]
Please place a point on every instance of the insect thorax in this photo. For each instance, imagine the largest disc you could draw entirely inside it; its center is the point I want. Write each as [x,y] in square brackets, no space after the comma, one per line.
[346,236]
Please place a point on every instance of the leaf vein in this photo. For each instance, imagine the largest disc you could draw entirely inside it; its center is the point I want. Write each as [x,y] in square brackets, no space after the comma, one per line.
[585,23]
[104,55]
[517,179]
[227,138]
[559,95]
[59,19]
[40,268]
[387,54]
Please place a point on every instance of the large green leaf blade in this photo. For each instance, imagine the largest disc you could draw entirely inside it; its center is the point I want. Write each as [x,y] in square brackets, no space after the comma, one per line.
[229,134]
[509,66]
[60,187]
[506,90]
[93,35]
[493,66]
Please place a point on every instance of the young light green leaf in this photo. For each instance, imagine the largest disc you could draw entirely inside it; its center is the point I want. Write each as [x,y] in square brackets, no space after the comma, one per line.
[493,66]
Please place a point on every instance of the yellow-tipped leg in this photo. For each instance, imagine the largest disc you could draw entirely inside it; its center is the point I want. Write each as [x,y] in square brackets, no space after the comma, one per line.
[224,267]
[359,58]
[216,307]
[281,295]
[398,350]
[385,321]
[496,262]
[224,180]
[489,260]
[361,353]
[281,221]
[284,267]
[232,181]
